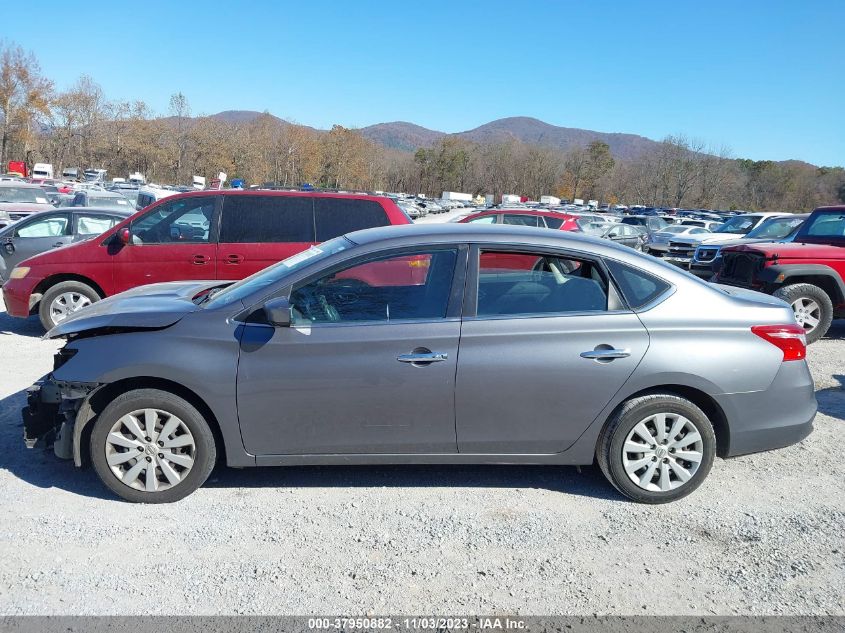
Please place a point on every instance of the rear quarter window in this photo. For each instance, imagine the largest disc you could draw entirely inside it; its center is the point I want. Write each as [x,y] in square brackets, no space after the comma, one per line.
[337,216]
[256,219]
[637,286]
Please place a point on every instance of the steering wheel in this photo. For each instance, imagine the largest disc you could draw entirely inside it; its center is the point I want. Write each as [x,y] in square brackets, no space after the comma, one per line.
[315,307]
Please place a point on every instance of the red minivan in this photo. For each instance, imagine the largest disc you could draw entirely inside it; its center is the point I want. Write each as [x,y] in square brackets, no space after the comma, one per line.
[197,235]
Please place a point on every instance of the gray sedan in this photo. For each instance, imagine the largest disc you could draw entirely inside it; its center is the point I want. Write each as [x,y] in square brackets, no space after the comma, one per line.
[428,345]
[46,230]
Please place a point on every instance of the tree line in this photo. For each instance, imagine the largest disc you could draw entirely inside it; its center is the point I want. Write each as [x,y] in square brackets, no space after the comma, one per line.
[80,127]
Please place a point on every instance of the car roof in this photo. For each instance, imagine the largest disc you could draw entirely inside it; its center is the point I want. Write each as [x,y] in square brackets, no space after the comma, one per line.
[523,211]
[455,232]
[105,193]
[277,192]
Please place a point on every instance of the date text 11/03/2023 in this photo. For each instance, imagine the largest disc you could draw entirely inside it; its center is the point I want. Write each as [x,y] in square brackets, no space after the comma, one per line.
[417,623]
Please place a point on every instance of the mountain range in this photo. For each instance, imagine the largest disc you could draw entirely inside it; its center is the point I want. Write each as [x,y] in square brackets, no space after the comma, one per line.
[405,136]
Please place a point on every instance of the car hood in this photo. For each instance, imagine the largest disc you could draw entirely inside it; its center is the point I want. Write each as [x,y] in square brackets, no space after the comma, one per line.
[737,242]
[150,307]
[26,206]
[793,250]
[711,238]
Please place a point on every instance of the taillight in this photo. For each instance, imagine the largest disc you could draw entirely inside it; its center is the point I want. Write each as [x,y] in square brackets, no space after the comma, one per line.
[790,339]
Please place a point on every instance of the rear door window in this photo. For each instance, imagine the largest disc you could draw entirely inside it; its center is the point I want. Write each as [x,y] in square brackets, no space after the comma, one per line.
[94,224]
[337,216]
[256,219]
[49,226]
[537,284]
[522,220]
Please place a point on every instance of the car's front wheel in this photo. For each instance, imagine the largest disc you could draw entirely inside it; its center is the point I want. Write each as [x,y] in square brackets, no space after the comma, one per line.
[151,446]
[63,299]
[657,448]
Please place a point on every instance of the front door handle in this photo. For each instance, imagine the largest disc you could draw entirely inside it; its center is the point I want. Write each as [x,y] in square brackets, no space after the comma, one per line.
[57,244]
[607,353]
[200,259]
[423,357]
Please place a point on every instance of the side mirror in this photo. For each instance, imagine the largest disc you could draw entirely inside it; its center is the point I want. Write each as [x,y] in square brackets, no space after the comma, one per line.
[278,312]
[123,236]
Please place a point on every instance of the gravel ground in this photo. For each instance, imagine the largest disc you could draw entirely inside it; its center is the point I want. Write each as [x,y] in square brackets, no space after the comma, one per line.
[763,535]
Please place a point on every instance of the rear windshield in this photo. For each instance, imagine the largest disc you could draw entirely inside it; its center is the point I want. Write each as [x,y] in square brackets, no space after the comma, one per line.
[738,225]
[23,194]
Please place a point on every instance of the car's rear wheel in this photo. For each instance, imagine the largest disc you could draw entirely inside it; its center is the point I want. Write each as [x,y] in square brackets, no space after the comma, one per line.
[812,307]
[151,446]
[657,448]
[63,299]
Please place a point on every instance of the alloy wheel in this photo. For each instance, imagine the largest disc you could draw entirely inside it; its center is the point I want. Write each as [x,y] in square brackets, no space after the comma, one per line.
[662,452]
[808,313]
[150,450]
[67,303]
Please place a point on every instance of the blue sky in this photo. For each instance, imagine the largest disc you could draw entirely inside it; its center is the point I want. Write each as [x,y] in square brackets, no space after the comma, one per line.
[766,79]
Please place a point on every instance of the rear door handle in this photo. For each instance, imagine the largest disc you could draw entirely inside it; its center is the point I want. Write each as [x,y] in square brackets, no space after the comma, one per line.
[57,244]
[200,259]
[234,259]
[423,357]
[606,354]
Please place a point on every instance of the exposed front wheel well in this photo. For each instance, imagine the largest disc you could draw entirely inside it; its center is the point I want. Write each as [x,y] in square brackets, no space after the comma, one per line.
[103,396]
[700,399]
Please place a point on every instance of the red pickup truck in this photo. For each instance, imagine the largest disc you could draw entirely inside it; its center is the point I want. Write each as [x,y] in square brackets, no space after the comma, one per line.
[199,235]
[808,273]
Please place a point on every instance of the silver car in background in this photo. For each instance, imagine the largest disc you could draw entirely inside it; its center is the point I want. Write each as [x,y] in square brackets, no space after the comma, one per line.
[428,344]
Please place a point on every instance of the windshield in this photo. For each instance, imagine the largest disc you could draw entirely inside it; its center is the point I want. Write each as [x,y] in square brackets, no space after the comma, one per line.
[272,274]
[591,228]
[776,229]
[23,194]
[738,225]
[675,229]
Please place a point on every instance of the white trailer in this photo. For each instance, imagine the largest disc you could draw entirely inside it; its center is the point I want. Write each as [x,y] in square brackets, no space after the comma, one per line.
[549,200]
[42,170]
[509,198]
[457,195]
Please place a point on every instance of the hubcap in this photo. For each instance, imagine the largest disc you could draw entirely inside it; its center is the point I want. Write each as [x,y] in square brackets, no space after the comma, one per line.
[150,450]
[67,303]
[807,313]
[663,452]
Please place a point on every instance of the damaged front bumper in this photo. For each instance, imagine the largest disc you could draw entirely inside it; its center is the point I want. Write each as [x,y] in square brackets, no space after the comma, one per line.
[51,412]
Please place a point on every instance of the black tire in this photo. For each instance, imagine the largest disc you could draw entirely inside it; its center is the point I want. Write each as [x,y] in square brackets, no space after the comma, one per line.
[610,446]
[56,290]
[204,450]
[809,292]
